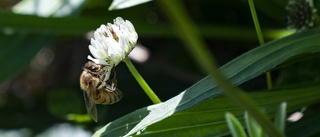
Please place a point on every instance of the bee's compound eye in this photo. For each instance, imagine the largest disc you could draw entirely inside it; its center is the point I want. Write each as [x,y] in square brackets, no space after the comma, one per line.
[93,68]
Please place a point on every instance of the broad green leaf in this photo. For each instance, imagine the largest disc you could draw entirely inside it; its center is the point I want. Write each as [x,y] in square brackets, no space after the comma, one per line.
[207,118]
[239,70]
[121,4]
[234,125]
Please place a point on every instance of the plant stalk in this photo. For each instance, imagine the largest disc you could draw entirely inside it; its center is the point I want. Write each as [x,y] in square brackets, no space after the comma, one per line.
[154,98]
[260,37]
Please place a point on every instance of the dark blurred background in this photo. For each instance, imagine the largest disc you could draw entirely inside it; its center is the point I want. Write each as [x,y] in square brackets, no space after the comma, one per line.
[39,83]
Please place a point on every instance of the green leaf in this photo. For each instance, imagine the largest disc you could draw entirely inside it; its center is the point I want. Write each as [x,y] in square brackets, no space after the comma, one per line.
[234,125]
[280,119]
[50,25]
[40,7]
[239,70]
[121,4]
[74,26]
[207,118]
[254,129]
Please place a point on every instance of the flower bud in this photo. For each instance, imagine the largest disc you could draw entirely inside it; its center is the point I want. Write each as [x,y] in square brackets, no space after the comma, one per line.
[300,14]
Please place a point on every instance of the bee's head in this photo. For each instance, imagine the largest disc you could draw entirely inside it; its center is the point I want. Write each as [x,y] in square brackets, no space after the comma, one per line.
[92,67]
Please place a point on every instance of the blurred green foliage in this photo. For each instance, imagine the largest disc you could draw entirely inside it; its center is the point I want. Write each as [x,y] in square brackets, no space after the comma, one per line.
[42,54]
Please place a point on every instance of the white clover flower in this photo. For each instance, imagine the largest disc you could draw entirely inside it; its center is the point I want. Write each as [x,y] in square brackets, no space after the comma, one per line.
[113,42]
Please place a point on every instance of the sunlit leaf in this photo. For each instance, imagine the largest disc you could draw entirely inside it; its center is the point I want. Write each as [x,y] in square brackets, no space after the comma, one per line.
[50,25]
[46,8]
[207,118]
[241,69]
[121,4]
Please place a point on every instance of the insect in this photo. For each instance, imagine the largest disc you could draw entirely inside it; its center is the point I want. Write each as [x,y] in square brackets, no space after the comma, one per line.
[97,90]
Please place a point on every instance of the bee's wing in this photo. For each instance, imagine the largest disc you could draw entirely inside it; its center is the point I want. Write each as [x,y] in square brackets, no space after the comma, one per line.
[90,104]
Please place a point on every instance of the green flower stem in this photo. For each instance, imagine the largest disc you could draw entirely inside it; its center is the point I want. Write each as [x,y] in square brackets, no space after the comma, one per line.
[154,98]
[190,35]
[260,37]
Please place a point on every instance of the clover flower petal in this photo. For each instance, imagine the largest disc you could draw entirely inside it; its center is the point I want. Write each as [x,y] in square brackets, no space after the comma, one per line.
[112,43]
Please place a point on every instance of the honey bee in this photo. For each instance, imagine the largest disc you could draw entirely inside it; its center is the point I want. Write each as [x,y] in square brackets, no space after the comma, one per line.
[97,90]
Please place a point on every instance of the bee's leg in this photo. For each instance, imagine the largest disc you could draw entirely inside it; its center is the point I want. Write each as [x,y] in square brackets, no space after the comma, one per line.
[114,83]
[113,80]
[102,75]
[109,86]
[111,83]
[101,85]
